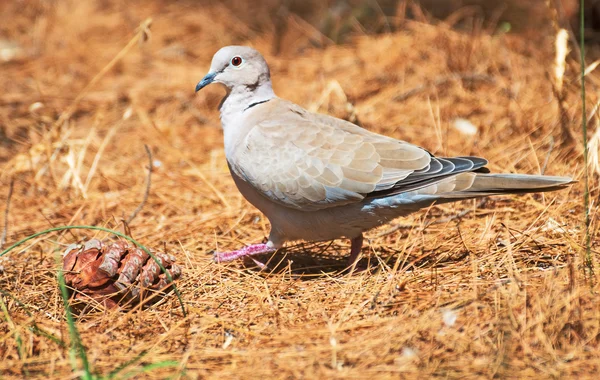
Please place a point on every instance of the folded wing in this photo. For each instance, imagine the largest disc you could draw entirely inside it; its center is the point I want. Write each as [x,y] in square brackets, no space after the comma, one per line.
[309,162]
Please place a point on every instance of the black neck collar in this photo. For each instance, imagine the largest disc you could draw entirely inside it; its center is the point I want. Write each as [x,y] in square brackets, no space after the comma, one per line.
[256,103]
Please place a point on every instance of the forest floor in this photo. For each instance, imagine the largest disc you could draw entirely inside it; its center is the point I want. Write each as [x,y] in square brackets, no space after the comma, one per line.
[472,289]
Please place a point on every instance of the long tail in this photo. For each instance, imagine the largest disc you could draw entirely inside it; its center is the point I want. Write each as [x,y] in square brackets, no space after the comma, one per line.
[468,186]
[473,185]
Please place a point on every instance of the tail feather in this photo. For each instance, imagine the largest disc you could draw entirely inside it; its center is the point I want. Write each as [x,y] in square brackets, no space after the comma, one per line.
[493,184]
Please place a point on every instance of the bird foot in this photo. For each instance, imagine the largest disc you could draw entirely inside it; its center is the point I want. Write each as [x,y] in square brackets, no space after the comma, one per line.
[247,251]
[354,265]
[355,248]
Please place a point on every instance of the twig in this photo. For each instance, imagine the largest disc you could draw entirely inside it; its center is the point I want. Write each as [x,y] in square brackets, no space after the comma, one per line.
[6,211]
[432,222]
[558,20]
[397,227]
[109,135]
[568,138]
[550,149]
[126,228]
[440,81]
[52,225]
[281,25]
[147,191]
[460,214]
[142,33]
[310,31]
[200,175]
[593,113]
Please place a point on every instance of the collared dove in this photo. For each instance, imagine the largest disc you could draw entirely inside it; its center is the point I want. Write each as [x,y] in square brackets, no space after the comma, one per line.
[319,178]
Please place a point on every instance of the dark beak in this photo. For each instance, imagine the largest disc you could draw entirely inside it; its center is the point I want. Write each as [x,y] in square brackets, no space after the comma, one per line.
[208,79]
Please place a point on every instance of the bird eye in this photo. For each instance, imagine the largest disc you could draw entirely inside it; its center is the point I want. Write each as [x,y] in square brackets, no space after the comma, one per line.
[236,61]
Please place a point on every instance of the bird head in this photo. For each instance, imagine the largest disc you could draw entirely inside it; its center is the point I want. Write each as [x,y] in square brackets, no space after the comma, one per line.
[237,67]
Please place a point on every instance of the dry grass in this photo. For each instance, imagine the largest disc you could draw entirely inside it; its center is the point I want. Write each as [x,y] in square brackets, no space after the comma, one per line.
[500,292]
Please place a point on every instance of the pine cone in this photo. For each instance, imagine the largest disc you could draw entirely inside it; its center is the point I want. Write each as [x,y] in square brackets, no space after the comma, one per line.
[116,273]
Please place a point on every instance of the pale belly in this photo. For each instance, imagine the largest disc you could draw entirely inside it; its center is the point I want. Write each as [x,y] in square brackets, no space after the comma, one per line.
[348,221]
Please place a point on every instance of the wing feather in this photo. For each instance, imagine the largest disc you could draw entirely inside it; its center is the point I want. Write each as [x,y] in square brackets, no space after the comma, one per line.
[309,161]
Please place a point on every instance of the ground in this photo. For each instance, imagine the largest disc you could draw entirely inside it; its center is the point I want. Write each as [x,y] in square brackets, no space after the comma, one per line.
[494,289]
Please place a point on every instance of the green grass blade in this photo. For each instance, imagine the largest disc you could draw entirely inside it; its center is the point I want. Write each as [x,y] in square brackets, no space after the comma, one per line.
[129,362]
[151,367]
[12,326]
[34,328]
[73,332]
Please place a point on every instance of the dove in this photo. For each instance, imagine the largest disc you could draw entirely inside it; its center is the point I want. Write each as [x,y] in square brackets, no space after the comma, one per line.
[319,178]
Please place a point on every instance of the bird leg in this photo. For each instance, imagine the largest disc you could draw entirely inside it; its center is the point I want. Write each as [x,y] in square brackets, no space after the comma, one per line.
[249,250]
[355,248]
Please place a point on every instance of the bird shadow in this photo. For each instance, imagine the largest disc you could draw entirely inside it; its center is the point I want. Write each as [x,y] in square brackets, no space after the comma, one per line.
[326,259]
[330,259]
[307,261]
